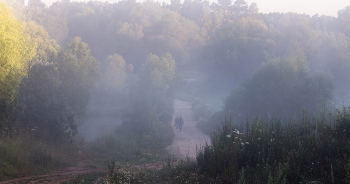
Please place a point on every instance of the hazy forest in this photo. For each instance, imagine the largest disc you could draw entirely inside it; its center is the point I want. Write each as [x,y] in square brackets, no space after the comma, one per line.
[95,84]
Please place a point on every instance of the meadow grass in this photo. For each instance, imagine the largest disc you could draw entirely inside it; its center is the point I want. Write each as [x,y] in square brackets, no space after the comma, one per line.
[23,155]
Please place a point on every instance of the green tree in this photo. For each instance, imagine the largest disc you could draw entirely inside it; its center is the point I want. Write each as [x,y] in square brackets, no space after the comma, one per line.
[79,72]
[344,20]
[159,71]
[42,106]
[53,19]
[14,53]
[153,91]
[18,8]
[240,8]
[225,4]
[47,49]
[175,5]
[253,8]
[282,88]
[115,73]
[237,47]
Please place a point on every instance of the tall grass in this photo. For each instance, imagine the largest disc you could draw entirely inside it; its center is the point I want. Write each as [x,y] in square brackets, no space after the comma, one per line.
[271,151]
[23,155]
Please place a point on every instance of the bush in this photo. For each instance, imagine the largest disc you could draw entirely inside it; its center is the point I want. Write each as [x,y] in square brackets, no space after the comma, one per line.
[282,88]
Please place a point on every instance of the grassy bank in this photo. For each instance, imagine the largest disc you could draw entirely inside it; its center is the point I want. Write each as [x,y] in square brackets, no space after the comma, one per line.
[23,155]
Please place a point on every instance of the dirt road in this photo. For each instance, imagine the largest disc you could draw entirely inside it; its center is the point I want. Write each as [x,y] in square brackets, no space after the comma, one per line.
[56,177]
[190,139]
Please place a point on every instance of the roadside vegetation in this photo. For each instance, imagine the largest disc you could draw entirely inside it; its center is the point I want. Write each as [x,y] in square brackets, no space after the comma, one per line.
[303,150]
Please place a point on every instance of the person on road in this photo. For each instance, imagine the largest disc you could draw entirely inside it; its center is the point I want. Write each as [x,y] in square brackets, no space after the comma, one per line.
[176,124]
[180,123]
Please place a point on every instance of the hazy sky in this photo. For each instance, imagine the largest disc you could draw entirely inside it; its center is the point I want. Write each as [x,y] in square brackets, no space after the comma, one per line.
[311,7]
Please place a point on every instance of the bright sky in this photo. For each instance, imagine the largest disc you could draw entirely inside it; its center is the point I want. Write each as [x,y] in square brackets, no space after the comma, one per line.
[311,7]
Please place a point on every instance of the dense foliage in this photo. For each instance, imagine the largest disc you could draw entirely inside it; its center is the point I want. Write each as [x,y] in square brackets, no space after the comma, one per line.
[79,72]
[55,89]
[281,88]
[151,102]
[15,51]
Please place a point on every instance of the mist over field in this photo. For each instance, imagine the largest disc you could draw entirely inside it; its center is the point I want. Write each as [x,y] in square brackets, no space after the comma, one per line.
[106,80]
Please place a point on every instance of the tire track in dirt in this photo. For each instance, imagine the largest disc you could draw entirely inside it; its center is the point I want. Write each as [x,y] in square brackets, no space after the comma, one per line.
[190,139]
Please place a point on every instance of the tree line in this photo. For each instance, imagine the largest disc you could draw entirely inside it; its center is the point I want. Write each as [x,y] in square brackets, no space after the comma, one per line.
[66,49]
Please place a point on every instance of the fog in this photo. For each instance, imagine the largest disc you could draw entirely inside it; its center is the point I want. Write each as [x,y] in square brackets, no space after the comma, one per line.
[110,65]
[208,92]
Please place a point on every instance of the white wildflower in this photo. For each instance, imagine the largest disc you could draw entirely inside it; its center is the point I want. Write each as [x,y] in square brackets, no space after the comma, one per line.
[228,136]
[236,131]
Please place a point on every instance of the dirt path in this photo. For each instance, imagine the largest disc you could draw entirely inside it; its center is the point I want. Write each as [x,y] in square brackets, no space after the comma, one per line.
[190,138]
[56,177]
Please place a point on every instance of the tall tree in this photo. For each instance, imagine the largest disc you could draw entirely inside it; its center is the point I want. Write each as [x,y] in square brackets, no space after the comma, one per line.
[282,88]
[225,5]
[47,49]
[79,72]
[159,71]
[175,5]
[14,53]
[240,8]
[42,106]
[114,73]
[344,20]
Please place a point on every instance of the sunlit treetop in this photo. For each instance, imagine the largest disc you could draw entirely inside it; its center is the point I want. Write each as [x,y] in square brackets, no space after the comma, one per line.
[160,71]
[47,49]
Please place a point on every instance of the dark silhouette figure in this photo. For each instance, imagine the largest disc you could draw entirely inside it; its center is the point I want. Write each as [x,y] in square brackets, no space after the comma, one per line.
[181,122]
[177,122]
